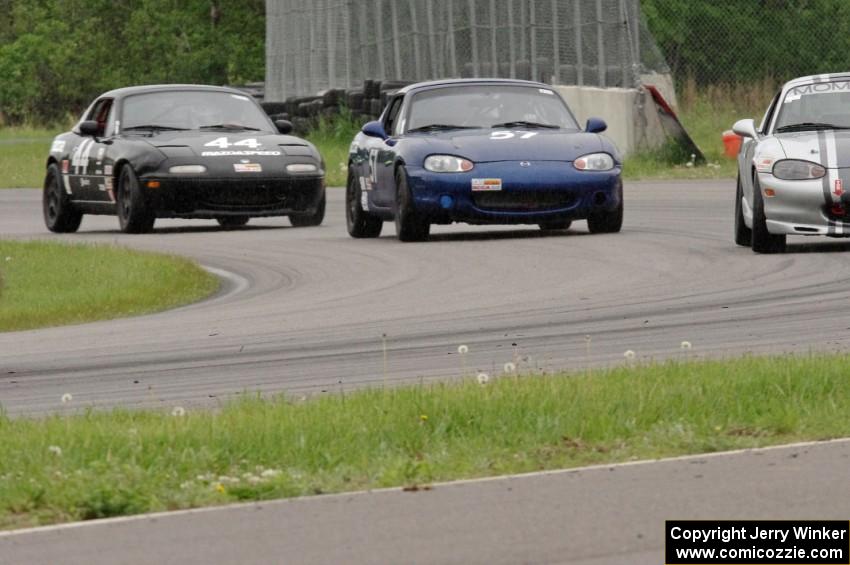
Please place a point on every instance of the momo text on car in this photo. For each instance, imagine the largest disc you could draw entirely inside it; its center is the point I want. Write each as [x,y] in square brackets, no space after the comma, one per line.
[794,168]
[180,151]
[482,152]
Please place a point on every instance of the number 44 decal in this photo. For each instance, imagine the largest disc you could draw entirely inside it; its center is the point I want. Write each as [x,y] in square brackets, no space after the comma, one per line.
[223,143]
[510,134]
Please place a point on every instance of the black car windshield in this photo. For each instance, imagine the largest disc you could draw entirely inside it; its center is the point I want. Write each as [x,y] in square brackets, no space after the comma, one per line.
[192,109]
[822,105]
[487,106]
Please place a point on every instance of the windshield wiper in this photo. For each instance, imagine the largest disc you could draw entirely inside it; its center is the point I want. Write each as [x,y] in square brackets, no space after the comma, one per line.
[229,126]
[802,126]
[156,127]
[439,127]
[522,123]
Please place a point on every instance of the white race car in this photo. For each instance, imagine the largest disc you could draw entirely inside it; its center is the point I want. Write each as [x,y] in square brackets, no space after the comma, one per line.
[794,169]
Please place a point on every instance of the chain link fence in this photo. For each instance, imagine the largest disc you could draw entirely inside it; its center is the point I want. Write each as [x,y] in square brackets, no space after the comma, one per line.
[328,44]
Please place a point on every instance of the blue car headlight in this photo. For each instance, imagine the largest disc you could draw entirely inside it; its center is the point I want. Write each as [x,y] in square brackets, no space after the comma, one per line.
[795,169]
[447,164]
[594,162]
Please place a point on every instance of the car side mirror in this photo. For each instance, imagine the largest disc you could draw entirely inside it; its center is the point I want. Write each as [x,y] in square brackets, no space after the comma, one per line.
[374,129]
[745,128]
[283,126]
[90,127]
[595,125]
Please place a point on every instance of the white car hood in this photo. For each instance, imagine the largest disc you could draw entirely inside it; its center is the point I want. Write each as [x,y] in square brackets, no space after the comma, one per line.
[830,148]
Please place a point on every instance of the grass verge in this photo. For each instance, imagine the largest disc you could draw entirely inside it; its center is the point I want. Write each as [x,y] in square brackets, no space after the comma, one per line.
[23,153]
[99,464]
[50,284]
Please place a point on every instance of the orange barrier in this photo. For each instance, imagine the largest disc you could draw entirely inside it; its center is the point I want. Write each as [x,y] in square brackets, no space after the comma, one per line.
[731,143]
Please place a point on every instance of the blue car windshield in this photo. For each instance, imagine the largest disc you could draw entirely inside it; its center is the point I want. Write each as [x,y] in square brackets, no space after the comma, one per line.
[484,106]
[192,109]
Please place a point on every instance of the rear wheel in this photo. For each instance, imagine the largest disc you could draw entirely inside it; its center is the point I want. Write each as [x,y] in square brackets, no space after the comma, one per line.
[762,240]
[555,225]
[409,225]
[607,221]
[359,222]
[743,234]
[134,215]
[230,222]
[300,220]
[60,216]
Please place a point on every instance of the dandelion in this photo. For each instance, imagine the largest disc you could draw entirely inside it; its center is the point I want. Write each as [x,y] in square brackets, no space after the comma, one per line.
[462,349]
[629,354]
[423,417]
[510,367]
[66,398]
[685,345]
[178,411]
[55,450]
[483,378]
[220,488]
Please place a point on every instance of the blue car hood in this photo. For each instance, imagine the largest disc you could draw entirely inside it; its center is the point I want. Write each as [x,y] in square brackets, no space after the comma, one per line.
[482,146]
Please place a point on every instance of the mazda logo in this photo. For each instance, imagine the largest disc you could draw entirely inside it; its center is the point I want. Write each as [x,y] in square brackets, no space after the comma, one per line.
[524,164]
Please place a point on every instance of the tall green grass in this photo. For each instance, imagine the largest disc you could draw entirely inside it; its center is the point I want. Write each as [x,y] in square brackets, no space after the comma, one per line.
[23,154]
[333,136]
[97,464]
[50,284]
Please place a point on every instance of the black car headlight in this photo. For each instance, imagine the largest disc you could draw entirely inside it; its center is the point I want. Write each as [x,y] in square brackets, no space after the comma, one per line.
[796,169]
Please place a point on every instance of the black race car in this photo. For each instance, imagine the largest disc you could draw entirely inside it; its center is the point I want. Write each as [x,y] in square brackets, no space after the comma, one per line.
[181,151]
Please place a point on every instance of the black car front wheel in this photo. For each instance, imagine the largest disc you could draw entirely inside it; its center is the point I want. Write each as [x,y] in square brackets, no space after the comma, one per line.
[359,222]
[60,216]
[232,222]
[134,214]
[308,220]
[409,225]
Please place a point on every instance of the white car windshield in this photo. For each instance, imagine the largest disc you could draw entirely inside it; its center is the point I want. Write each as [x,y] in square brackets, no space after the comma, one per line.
[192,109]
[486,106]
[816,105]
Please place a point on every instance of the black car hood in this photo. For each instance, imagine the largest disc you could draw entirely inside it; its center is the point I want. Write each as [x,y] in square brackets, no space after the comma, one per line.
[483,145]
[226,143]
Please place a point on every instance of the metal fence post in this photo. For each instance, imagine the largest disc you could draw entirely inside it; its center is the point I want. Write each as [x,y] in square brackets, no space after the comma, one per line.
[494,59]
[452,47]
[396,48]
[556,49]
[417,56]
[532,24]
[511,46]
[432,49]
[600,46]
[578,32]
[382,69]
[331,43]
[473,39]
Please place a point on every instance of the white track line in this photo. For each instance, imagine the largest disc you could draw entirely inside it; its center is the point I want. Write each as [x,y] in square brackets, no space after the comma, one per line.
[155,515]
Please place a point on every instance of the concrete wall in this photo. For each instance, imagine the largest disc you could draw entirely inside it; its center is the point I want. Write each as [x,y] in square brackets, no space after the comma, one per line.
[633,122]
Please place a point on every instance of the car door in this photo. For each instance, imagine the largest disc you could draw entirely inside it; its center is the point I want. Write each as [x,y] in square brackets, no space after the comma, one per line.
[95,174]
[382,156]
[81,173]
[747,152]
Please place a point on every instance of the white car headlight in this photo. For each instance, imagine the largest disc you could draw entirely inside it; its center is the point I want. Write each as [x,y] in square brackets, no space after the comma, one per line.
[187,169]
[795,169]
[301,168]
[447,164]
[594,162]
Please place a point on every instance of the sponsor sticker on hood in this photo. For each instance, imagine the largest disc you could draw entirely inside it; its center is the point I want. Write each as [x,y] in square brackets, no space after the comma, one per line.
[247,167]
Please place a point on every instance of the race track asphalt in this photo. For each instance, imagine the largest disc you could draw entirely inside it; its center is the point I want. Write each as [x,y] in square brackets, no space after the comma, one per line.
[304,309]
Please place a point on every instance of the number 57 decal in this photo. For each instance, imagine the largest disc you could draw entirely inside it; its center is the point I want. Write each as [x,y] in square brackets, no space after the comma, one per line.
[510,134]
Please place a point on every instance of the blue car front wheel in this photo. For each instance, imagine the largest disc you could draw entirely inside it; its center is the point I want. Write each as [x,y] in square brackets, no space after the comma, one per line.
[409,225]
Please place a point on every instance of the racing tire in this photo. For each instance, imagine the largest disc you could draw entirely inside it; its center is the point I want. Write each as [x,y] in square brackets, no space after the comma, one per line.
[360,223]
[60,216]
[232,222]
[409,225]
[309,220]
[762,240]
[607,221]
[134,214]
[552,225]
[743,234]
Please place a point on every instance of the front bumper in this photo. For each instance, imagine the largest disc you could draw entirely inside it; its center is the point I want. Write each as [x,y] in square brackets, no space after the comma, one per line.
[806,207]
[181,197]
[538,192]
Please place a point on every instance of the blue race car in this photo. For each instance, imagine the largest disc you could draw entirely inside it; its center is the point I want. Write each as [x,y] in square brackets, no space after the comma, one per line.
[481,151]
